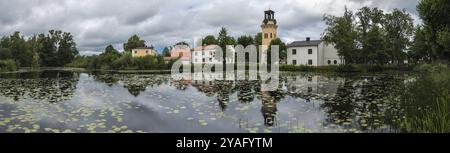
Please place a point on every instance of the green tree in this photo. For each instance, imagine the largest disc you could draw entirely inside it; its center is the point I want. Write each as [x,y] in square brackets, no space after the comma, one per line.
[57,48]
[5,52]
[133,42]
[34,44]
[66,49]
[209,40]
[166,52]
[182,43]
[111,50]
[19,50]
[369,18]
[245,41]
[282,50]
[435,15]
[48,52]
[341,33]
[258,42]
[420,49]
[258,39]
[375,51]
[399,31]
[225,40]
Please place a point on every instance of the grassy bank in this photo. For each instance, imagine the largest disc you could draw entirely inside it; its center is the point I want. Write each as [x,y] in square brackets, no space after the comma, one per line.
[427,101]
[350,68]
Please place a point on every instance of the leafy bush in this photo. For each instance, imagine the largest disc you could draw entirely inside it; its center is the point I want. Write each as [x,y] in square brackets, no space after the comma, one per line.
[7,65]
[303,68]
[431,68]
[123,61]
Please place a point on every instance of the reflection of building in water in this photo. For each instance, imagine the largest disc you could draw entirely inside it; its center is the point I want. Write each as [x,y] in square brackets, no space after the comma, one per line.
[307,86]
[181,84]
[268,108]
[221,89]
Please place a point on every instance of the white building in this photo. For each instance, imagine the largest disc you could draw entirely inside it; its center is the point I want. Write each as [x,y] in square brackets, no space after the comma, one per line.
[312,53]
[207,55]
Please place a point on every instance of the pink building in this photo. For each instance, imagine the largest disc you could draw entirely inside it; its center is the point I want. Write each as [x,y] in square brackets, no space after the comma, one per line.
[183,53]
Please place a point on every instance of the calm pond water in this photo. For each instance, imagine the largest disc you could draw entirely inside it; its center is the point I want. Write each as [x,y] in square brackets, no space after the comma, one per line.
[78,101]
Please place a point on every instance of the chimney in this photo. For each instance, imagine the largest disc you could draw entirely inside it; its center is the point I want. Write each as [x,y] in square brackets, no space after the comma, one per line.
[308,39]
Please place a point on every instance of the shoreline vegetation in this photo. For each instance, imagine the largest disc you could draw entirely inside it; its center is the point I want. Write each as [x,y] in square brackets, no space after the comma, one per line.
[426,101]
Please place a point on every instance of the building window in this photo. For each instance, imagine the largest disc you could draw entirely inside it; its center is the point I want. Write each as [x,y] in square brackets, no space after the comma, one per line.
[203,53]
[335,62]
[135,52]
[203,60]
[266,35]
[309,51]
[146,52]
[310,62]
[195,53]
[274,35]
[294,52]
[294,62]
[210,59]
[329,62]
[271,35]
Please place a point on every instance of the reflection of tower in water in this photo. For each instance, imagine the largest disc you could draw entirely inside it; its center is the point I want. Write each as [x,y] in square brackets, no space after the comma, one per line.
[268,108]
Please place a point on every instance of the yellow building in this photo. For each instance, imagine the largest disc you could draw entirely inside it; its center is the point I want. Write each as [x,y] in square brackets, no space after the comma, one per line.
[269,31]
[143,51]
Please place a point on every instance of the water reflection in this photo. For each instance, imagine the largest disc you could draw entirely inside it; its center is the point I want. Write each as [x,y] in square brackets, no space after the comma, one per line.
[302,102]
[50,86]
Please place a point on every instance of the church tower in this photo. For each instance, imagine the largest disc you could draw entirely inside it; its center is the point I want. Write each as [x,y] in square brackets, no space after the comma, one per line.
[269,30]
[269,27]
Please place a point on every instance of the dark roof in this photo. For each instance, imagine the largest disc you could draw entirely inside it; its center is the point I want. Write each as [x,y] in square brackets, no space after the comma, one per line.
[269,11]
[304,43]
[143,48]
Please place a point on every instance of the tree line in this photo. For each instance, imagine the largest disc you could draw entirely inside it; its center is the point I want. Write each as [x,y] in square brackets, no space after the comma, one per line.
[224,39]
[112,59]
[372,36]
[52,49]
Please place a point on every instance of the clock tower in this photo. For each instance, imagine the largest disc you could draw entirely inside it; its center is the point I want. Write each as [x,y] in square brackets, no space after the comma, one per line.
[269,32]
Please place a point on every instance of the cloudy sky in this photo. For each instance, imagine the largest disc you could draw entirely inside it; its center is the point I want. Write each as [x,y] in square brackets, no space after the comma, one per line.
[97,23]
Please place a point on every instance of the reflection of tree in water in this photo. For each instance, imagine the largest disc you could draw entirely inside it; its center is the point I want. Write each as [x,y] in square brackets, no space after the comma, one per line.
[109,79]
[53,86]
[365,102]
[139,83]
[224,90]
[340,107]
[181,84]
[221,89]
[245,91]
[134,83]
